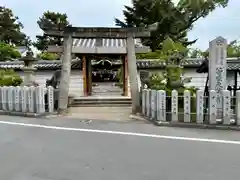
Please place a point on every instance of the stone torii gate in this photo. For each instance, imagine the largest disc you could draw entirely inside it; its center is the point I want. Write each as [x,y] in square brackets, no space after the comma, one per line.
[68,33]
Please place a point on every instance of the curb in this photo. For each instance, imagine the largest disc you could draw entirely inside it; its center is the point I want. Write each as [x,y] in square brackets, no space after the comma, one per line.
[138,117]
[189,125]
[22,114]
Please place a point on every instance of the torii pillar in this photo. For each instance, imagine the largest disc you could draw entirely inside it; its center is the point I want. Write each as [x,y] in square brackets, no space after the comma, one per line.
[65,72]
[132,72]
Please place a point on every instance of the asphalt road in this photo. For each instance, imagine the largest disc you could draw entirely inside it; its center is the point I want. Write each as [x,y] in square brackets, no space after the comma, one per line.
[65,149]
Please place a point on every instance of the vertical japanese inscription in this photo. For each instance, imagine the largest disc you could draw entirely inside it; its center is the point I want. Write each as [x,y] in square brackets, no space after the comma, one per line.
[217,70]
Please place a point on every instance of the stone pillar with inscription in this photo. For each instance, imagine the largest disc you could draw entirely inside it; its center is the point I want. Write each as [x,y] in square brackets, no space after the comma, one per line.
[217,71]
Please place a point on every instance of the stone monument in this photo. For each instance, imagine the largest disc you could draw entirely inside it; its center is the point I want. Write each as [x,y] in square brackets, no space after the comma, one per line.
[28,70]
[217,71]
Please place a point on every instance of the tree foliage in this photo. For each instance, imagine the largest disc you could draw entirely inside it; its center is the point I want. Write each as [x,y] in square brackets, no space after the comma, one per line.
[174,20]
[8,52]
[55,19]
[9,78]
[168,48]
[196,53]
[233,50]
[173,53]
[11,29]
[48,56]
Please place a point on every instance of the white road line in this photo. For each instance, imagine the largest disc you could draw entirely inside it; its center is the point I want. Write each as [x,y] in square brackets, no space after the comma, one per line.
[122,133]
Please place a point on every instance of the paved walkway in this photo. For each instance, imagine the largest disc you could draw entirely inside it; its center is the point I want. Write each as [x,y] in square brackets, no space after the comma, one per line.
[100,113]
[106,89]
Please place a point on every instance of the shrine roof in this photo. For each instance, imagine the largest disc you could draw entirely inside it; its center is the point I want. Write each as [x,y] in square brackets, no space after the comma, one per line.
[100,46]
[232,64]
[91,43]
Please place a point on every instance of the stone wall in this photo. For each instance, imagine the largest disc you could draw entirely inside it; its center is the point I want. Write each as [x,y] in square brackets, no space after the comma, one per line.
[76,82]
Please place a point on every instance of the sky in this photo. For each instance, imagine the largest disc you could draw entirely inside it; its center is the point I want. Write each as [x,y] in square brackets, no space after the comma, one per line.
[222,22]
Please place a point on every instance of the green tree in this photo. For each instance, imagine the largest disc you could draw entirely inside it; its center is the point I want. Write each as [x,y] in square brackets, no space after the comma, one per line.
[173,53]
[11,29]
[8,52]
[9,78]
[53,19]
[233,49]
[196,53]
[48,56]
[174,20]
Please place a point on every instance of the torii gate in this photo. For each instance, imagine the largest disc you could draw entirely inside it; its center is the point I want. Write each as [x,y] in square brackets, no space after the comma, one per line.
[68,33]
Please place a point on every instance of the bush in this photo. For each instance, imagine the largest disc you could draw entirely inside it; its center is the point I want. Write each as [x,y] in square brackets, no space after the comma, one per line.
[151,55]
[8,52]
[48,56]
[172,78]
[10,78]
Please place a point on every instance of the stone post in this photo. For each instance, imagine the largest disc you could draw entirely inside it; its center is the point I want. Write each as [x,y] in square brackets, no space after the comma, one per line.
[161,105]
[50,92]
[31,99]
[148,104]
[187,106]
[28,70]
[226,107]
[4,98]
[153,104]
[132,70]
[237,107]
[217,71]
[174,106]
[144,104]
[199,106]
[65,73]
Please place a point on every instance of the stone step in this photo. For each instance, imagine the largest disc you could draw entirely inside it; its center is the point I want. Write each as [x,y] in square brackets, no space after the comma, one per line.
[100,113]
[100,105]
[102,101]
[102,98]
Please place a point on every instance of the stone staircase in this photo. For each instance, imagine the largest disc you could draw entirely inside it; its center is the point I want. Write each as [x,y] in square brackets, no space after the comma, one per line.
[100,113]
[103,101]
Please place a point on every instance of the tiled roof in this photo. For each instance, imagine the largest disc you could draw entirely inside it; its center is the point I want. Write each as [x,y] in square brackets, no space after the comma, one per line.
[91,43]
[232,63]
[100,46]
[41,64]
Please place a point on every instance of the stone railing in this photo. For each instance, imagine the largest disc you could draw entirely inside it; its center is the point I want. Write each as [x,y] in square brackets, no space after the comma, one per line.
[197,109]
[23,99]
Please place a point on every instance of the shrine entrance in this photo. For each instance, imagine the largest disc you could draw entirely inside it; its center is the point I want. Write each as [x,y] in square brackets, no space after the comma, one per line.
[98,41]
[105,75]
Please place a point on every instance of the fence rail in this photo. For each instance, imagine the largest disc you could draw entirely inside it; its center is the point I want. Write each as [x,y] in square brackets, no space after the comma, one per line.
[27,99]
[197,108]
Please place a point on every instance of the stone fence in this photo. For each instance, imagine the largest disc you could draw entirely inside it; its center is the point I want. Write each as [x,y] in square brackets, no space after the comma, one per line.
[197,109]
[23,99]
